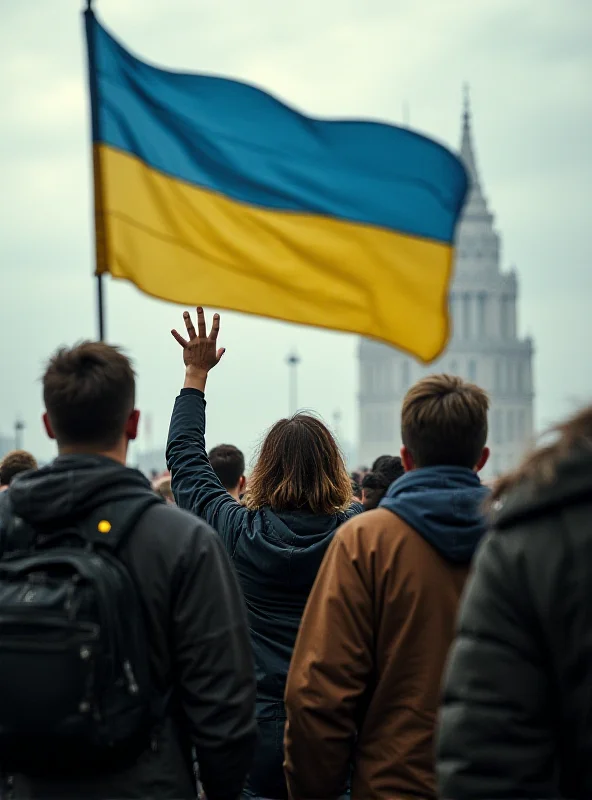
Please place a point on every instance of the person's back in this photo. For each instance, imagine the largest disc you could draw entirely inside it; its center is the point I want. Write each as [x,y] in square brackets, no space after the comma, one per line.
[363,688]
[517,706]
[297,496]
[199,661]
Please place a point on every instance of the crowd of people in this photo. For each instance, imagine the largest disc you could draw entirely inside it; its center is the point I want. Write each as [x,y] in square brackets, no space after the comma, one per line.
[297,632]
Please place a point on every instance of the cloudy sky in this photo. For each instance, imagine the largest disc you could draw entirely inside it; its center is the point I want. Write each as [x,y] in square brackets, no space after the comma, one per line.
[529,65]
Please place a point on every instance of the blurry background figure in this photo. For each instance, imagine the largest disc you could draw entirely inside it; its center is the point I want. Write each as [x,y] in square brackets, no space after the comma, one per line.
[14,463]
[516,720]
[375,483]
[162,487]
[356,488]
[228,463]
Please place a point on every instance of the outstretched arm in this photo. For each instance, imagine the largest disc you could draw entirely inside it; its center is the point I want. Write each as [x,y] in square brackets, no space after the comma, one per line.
[195,484]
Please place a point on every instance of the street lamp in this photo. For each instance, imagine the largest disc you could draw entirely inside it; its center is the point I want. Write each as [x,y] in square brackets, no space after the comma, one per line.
[19,427]
[293,360]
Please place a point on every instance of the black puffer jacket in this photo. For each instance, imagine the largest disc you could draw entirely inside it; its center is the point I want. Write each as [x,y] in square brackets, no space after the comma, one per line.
[516,720]
[196,626]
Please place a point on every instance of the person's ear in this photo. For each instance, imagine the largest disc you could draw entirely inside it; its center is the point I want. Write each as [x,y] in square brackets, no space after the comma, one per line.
[47,426]
[483,459]
[407,460]
[131,426]
[242,485]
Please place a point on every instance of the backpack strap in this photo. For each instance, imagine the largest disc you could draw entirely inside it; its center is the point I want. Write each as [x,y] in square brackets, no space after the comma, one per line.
[109,525]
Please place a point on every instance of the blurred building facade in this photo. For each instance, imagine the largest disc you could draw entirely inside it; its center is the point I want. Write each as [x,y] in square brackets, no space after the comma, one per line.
[485,346]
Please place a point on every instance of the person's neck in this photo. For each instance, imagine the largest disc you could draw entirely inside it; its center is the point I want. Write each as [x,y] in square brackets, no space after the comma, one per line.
[118,453]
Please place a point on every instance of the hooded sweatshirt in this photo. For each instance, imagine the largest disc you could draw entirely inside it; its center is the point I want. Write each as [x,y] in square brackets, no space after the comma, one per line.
[444,505]
[367,666]
[276,555]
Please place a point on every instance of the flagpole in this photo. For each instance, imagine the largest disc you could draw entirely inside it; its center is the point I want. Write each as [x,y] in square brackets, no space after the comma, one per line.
[100,308]
[100,262]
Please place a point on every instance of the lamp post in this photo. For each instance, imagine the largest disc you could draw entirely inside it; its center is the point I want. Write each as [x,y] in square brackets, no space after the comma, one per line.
[19,427]
[293,360]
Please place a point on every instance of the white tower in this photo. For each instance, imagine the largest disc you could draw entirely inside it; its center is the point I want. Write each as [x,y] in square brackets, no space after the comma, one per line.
[485,346]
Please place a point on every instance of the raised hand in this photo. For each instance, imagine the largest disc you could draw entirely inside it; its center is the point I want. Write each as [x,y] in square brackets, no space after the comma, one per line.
[199,349]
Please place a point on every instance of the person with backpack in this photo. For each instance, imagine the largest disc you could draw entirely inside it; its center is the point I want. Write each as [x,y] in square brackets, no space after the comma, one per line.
[124,647]
[298,495]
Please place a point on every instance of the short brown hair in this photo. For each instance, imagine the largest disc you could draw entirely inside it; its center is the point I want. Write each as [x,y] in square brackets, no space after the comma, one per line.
[14,463]
[89,393]
[539,467]
[228,463]
[299,466]
[444,422]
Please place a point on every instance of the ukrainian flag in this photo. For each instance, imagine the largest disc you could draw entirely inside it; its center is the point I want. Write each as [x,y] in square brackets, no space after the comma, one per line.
[211,192]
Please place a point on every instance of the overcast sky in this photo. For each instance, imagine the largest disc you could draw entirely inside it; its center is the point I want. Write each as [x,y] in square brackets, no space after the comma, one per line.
[529,65]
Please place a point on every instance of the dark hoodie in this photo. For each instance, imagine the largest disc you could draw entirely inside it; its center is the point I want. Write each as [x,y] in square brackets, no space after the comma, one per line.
[364,683]
[277,557]
[444,505]
[195,622]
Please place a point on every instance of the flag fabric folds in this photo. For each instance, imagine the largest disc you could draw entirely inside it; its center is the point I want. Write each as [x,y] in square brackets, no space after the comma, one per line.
[211,192]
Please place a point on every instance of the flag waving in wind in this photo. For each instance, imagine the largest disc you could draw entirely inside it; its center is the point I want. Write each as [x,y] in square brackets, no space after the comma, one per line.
[209,191]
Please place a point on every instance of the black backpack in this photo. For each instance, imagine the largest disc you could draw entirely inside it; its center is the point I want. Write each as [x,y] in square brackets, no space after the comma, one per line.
[75,689]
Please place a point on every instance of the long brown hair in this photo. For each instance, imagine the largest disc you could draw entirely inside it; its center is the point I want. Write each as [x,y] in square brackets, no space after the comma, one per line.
[299,466]
[540,466]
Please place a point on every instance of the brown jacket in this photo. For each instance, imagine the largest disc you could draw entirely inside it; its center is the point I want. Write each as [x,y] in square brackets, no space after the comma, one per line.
[364,683]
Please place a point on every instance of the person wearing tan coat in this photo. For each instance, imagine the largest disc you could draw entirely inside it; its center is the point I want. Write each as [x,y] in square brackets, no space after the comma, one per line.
[364,683]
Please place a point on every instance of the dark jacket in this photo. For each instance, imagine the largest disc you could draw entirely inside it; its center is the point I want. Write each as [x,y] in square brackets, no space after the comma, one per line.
[196,626]
[517,703]
[277,557]
[364,684]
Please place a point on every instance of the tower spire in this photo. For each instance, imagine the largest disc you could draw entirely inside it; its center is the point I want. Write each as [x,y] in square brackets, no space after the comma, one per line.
[467,153]
[466,106]
[466,143]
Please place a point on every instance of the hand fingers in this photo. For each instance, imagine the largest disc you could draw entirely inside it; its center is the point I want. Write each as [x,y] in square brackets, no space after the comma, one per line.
[183,342]
[189,325]
[215,327]
[220,353]
[201,323]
